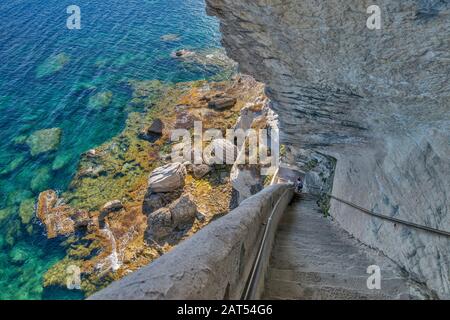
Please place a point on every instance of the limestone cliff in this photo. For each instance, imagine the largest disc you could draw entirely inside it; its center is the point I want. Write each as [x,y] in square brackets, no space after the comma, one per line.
[375,100]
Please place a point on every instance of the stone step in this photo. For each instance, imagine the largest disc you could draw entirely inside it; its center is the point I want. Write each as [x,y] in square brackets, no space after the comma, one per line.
[390,286]
[313,258]
[293,290]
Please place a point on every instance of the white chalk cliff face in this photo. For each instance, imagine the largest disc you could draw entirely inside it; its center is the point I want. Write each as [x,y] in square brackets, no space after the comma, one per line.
[378,101]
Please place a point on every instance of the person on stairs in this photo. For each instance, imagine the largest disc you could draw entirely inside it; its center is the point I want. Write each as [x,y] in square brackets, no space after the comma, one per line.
[299,185]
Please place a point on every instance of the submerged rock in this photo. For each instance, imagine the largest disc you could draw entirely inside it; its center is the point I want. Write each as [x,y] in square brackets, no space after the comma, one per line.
[26,210]
[18,255]
[100,100]
[61,161]
[52,65]
[43,141]
[178,216]
[41,180]
[6,213]
[12,166]
[167,178]
[170,37]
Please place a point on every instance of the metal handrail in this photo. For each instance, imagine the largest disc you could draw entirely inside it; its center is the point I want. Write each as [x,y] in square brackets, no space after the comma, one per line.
[403,222]
[251,284]
[384,217]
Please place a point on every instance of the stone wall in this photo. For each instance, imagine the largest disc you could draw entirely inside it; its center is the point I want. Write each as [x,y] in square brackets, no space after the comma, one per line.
[375,100]
[213,264]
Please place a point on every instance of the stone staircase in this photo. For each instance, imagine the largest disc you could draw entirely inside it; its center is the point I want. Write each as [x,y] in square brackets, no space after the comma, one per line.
[313,258]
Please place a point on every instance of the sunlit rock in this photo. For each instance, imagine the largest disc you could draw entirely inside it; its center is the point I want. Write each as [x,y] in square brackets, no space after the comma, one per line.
[167,178]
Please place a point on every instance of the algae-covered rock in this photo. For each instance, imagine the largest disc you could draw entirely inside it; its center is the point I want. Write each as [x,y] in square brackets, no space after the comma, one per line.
[45,140]
[100,100]
[61,161]
[26,210]
[20,140]
[41,180]
[18,255]
[58,217]
[52,65]
[6,212]
[12,166]
[16,197]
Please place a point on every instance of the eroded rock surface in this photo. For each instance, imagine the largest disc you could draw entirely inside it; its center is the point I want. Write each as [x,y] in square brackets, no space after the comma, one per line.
[167,178]
[375,100]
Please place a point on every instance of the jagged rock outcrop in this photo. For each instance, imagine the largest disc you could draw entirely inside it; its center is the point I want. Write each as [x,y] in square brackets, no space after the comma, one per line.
[377,101]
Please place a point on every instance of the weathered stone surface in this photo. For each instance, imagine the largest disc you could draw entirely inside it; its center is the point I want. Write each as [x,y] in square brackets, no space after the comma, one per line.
[220,151]
[113,205]
[178,215]
[43,141]
[185,120]
[153,132]
[222,103]
[200,170]
[155,201]
[156,127]
[59,218]
[246,181]
[167,178]
[213,264]
[375,100]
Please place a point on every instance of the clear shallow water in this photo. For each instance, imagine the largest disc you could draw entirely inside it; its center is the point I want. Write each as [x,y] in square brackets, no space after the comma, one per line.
[48,78]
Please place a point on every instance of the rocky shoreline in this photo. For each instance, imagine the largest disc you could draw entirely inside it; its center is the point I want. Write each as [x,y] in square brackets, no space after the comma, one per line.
[129,202]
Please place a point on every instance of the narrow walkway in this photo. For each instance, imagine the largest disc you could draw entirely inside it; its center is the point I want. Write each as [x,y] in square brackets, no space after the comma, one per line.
[313,258]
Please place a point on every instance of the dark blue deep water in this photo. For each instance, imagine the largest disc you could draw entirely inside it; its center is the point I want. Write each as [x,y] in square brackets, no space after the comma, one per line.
[48,75]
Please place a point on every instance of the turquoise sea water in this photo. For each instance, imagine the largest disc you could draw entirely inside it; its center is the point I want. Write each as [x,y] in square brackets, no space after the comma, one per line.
[51,77]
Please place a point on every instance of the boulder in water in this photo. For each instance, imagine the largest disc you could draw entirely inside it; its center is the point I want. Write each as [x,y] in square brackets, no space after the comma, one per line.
[43,141]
